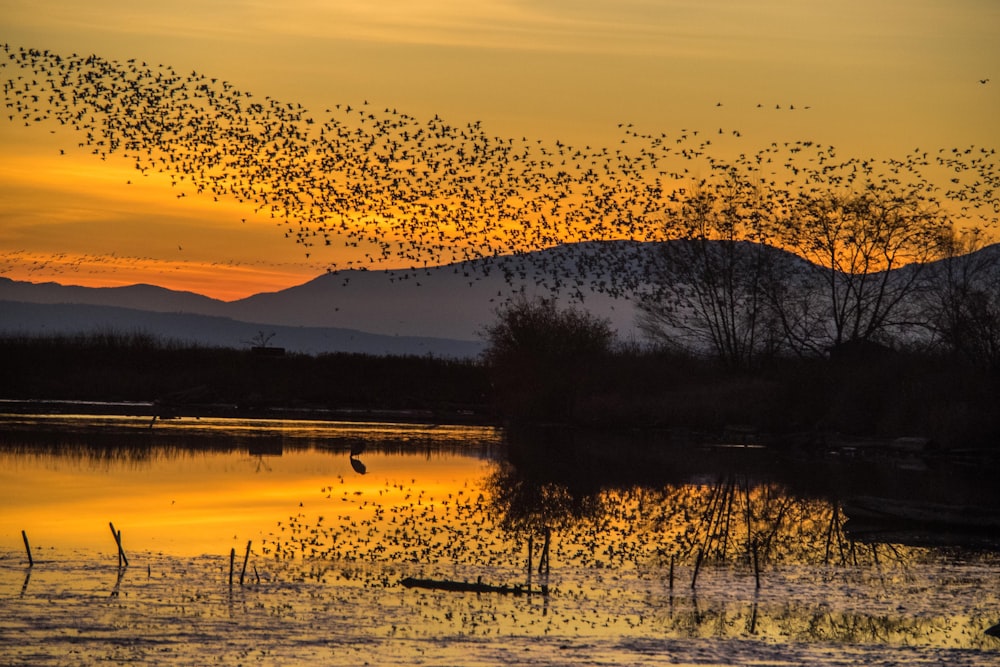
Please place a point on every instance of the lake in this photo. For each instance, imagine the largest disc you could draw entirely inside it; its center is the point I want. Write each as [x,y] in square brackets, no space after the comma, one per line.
[307,542]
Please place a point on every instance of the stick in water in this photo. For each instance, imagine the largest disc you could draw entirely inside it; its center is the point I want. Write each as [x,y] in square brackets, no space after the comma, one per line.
[245,559]
[118,540]
[232,559]
[27,547]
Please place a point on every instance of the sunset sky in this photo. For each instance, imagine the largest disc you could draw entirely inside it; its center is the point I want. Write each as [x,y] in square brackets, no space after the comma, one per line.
[875,78]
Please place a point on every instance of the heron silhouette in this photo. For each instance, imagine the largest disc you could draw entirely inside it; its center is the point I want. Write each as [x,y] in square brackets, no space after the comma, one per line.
[356,449]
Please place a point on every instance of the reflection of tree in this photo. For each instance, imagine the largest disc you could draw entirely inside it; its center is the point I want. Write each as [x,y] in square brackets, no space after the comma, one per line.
[819,585]
[527,508]
[524,505]
[720,522]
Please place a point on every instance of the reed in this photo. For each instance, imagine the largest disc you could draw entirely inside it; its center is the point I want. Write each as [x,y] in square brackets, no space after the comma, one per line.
[756,565]
[531,547]
[543,560]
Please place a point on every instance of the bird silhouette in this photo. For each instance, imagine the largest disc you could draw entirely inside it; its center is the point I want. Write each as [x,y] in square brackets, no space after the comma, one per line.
[428,192]
[358,466]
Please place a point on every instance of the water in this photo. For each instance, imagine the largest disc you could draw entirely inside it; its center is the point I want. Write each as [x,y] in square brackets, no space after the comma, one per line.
[638,573]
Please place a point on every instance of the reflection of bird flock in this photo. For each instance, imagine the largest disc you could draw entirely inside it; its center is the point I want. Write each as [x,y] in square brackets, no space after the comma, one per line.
[623,529]
[405,191]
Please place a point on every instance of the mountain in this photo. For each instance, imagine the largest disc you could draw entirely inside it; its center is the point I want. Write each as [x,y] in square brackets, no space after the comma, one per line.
[68,319]
[423,308]
[431,310]
[452,301]
[140,297]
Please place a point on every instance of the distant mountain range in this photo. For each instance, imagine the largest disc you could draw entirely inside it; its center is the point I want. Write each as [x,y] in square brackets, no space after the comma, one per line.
[440,310]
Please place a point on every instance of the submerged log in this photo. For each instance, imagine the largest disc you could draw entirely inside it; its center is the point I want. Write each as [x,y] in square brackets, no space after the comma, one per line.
[460,586]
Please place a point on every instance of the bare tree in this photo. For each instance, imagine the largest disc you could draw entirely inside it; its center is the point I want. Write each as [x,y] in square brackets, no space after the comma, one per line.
[965,306]
[711,274]
[871,250]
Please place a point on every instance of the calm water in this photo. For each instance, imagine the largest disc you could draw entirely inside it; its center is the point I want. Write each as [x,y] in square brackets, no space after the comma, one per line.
[649,562]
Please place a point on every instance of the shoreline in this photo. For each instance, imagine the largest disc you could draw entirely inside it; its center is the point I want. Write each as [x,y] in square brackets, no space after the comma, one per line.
[158,411]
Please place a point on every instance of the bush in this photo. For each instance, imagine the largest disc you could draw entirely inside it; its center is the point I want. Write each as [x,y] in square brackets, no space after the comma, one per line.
[541,357]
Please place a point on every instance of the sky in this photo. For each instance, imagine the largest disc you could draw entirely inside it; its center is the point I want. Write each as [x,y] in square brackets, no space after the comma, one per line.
[874,78]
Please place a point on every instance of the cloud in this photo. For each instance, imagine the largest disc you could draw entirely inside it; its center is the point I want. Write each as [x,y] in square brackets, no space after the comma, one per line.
[586,26]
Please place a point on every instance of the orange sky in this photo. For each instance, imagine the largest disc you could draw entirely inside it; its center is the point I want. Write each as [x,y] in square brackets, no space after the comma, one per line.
[879,78]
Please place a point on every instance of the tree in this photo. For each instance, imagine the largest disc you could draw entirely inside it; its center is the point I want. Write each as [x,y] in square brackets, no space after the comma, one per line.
[870,250]
[539,356]
[711,273]
[965,307]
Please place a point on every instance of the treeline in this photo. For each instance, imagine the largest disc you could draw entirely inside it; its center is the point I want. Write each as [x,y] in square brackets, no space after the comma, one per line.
[553,364]
[120,366]
[747,277]
[543,365]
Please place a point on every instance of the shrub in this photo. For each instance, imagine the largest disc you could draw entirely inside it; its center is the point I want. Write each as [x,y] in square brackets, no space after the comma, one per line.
[540,357]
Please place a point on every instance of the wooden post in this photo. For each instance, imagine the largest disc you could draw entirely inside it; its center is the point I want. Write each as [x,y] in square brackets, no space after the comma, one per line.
[118,540]
[27,547]
[245,559]
[232,559]
[671,572]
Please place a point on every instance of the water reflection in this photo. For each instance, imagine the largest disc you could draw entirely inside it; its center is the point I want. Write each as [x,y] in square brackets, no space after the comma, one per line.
[627,546]
[195,486]
[901,497]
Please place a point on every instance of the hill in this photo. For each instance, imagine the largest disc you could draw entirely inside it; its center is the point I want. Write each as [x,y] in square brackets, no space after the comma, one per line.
[452,302]
[214,331]
[415,311]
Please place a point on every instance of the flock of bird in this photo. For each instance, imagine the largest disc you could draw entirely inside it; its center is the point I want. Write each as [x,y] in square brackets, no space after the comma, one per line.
[405,191]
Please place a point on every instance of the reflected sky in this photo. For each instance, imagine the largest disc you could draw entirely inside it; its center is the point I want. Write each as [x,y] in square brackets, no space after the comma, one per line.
[167,498]
[634,570]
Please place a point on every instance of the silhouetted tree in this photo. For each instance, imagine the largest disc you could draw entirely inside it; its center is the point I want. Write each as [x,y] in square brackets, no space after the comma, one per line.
[965,306]
[871,249]
[539,355]
[711,274]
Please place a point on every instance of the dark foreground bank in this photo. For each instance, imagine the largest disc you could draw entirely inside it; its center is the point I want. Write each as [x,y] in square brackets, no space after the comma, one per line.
[928,401]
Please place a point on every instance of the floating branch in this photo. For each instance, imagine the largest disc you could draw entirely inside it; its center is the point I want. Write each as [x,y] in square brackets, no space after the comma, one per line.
[460,586]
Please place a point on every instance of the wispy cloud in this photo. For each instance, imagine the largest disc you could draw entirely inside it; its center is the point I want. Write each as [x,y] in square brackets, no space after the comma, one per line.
[585,26]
